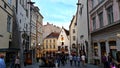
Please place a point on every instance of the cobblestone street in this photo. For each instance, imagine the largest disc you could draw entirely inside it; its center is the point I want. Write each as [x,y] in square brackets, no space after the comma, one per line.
[66,66]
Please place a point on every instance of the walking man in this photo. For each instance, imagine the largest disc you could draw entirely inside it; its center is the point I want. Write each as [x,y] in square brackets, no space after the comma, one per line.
[75,59]
[78,60]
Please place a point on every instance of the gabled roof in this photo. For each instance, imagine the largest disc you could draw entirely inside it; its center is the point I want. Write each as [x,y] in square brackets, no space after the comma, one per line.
[53,35]
[66,31]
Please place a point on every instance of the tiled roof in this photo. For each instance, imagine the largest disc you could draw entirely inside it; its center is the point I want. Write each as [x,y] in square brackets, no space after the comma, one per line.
[53,35]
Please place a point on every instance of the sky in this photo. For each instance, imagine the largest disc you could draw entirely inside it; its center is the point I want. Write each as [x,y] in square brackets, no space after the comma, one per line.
[57,12]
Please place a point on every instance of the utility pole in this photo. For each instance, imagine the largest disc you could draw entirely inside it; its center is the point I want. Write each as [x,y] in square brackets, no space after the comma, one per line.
[89,37]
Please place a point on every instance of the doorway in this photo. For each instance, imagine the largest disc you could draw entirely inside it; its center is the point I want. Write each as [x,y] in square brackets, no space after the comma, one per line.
[103,48]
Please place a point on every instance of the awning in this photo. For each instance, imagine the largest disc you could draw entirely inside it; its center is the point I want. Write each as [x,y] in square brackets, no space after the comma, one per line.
[9,49]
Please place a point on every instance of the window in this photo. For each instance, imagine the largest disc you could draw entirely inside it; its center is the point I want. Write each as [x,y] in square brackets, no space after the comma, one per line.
[54,41]
[95,49]
[54,46]
[50,46]
[5,5]
[119,10]
[73,38]
[10,2]
[66,48]
[110,15]
[9,23]
[113,48]
[100,1]
[93,3]
[101,19]
[46,46]
[46,42]
[50,42]
[75,24]
[59,48]
[73,30]
[20,1]
[94,23]
[27,12]
[81,9]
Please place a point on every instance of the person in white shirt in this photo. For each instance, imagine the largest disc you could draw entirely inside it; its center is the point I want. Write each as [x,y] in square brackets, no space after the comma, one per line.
[17,62]
[83,59]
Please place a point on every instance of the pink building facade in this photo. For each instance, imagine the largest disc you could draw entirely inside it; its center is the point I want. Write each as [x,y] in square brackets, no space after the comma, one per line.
[104,25]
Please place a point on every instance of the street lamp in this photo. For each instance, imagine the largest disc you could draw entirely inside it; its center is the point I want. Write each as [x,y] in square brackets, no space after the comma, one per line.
[39,44]
[118,35]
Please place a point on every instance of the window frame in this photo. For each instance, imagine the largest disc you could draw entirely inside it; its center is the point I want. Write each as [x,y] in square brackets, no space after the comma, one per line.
[10,2]
[94,23]
[101,19]
[110,15]
[9,22]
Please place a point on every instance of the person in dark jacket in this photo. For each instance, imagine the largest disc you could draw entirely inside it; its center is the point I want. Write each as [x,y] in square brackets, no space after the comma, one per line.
[2,62]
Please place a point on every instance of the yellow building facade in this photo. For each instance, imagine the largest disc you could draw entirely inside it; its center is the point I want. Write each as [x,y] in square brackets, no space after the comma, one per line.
[50,44]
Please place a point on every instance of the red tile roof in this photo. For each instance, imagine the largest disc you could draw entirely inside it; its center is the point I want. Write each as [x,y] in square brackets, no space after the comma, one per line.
[53,35]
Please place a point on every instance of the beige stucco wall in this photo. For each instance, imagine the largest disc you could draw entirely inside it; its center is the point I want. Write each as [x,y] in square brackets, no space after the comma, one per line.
[4,12]
[52,44]
[73,26]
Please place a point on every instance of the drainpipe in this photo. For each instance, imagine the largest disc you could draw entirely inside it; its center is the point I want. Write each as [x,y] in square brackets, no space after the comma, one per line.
[89,37]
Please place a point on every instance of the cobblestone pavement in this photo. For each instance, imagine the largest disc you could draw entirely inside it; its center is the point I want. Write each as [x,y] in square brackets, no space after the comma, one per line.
[65,66]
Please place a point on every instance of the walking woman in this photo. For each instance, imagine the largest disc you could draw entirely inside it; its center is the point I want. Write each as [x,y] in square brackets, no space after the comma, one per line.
[17,62]
[83,59]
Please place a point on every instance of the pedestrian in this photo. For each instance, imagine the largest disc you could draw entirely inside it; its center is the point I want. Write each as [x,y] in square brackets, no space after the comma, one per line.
[2,62]
[17,62]
[71,59]
[104,60]
[58,60]
[109,60]
[75,59]
[12,62]
[78,60]
[83,59]
[63,60]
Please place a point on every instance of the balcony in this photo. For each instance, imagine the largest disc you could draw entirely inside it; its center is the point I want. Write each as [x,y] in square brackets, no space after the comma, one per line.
[107,28]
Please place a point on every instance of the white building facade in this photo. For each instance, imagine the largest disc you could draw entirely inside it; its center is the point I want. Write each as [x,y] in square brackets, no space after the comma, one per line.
[23,19]
[82,27]
[63,41]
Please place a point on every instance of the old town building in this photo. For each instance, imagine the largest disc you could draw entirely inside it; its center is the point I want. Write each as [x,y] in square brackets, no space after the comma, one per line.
[73,35]
[49,28]
[63,42]
[50,44]
[104,16]
[7,21]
